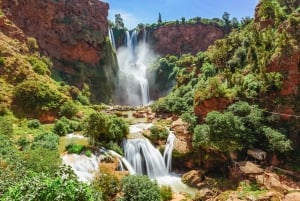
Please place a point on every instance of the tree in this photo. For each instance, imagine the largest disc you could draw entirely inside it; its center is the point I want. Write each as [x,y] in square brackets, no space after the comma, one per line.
[159,21]
[140,188]
[119,21]
[97,124]
[226,19]
[183,20]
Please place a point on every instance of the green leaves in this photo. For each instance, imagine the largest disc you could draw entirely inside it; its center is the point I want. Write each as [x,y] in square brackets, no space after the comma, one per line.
[140,188]
[99,126]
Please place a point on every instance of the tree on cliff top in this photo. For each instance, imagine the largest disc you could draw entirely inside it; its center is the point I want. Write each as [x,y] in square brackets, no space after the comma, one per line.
[159,18]
[119,21]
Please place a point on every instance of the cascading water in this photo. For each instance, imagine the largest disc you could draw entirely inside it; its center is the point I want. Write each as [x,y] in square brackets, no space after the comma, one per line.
[144,158]
[133,59]
[168,151]
[112,38]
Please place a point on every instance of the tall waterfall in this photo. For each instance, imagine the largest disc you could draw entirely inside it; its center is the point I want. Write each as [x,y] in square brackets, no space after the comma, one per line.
[133,59]
[112,38]
[146,159]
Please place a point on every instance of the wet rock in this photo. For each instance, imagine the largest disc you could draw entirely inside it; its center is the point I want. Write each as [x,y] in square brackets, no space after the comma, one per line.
[193,178]
[294,196]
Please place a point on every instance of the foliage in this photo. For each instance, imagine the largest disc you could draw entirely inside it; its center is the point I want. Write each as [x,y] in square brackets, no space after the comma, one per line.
[108,184]
[33,123]
[74,148]
[46,140]
[166,193]
[158,132]
[139,188]
[59,128]
[35,95]
[6,125]
[242,126]
[64,186]
[88,153]
[38,65]
[68,109]
[102,127]
[64,126]
[23,142]
[38,160]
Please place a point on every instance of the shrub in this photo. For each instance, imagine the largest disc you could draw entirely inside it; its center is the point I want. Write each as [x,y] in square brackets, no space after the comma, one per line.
[108,184]
[166,193]
[32,44]
[35,96]
[60,128]
[74,148]
[38,65]
[68,109]
[63,186]
[139,188]
[6,125]
[46,140]
[38,160]
[23,142]
[34,123]
[158,132]
[88,153]
[105,128]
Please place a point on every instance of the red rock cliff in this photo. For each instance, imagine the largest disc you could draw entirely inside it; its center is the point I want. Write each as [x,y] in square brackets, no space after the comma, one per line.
[186,38]
[70,30]
[72,33]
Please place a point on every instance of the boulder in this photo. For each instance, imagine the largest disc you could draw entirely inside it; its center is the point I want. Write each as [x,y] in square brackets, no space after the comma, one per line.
[193,178]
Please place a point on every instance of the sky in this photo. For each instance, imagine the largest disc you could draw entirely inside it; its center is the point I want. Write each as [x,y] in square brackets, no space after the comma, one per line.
[134,12]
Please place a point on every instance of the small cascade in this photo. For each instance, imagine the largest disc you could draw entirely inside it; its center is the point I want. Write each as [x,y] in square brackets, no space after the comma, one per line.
[144,157]
[133,59]
[124,164]
[84,167]
[112,38]
[168,151]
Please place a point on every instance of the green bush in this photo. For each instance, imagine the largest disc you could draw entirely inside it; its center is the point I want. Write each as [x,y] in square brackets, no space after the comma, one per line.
[139,188]
[36,96]
[38,65]
[6,125]
[166,193]
[34,123]
[46,140]
[63,186]
[88,153]
[23,142]
[74,148]
[68,109]
[60,128]
[38,160]
[108,184]
[105,128]
[158,132]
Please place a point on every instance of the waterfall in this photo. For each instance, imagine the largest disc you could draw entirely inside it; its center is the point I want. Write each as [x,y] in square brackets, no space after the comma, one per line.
[133,59]
[112,38]
[84,167]
[144,158]
[124,164]
[168,151]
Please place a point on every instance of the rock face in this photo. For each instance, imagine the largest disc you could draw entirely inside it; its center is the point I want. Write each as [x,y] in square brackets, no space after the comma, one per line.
[186,38]
[73,34]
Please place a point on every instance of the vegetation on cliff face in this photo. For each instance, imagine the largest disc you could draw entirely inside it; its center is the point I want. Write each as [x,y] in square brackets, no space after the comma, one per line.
[254,65]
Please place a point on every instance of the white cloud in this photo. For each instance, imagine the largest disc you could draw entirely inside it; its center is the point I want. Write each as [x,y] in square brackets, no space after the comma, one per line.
[130,20]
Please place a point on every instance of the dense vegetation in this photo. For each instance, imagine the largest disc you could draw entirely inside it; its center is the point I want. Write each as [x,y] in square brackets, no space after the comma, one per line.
[236,72]
[235,75]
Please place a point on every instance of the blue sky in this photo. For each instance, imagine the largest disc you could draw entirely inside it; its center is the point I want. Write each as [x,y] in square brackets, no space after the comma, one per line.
[134,11]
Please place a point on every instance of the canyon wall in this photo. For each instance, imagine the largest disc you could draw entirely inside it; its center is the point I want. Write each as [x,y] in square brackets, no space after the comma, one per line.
[73,34]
